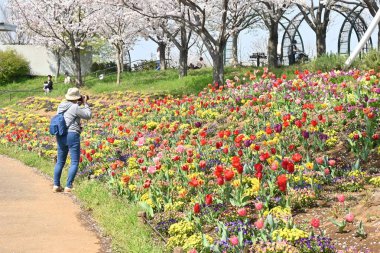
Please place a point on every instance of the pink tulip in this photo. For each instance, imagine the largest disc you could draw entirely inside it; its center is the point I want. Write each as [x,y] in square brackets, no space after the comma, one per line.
[140,141]
[349,217]
[242,212]
[274,166]
[332,163]
[327,171]
[259,224]
[259,206]
[319,160]
[340,198]
[152,169]
[180,149]
[234,240]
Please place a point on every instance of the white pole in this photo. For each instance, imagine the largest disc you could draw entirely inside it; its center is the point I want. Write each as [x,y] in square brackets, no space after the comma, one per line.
[364,39]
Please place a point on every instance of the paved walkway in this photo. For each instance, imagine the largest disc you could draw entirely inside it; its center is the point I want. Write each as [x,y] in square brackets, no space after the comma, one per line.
[33,219]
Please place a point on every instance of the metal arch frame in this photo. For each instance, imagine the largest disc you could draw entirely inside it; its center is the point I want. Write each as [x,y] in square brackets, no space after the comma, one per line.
[345,15]
[290,36]
[353,23]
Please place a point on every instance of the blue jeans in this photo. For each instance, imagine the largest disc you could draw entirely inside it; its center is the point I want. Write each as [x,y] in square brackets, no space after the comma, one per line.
[158,65]
[67,143]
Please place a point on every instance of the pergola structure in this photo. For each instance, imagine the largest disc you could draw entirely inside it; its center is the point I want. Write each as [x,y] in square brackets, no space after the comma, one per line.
[4,27]
[353,23]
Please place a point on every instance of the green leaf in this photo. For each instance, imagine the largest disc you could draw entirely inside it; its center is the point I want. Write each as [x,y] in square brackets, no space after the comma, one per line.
[147,208]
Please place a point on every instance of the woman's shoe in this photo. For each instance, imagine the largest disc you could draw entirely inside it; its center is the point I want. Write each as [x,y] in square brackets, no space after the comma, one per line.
[57,188]
[67,190]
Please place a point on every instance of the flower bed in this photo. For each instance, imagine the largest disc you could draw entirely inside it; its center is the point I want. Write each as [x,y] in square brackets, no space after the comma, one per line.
[231,168]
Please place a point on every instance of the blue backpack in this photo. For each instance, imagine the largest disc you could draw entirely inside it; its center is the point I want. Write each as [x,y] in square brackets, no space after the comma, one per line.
[58,125]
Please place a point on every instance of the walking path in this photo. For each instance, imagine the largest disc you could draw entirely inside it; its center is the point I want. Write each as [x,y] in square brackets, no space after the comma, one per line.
[33,219]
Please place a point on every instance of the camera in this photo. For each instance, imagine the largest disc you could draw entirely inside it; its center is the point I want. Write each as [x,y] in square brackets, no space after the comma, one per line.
[84,96]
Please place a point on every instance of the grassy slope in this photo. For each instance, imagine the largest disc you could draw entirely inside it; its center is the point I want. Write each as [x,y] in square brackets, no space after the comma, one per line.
[150,82]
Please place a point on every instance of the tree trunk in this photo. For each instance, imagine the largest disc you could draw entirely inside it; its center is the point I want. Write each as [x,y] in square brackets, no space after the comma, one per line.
[162,47]
[272,45]
[129,61]
[122,61]
[118,64]
[78,66]
[235,60]
[58,56]
[183,56]
[378,37]
[321,42]
[218,68]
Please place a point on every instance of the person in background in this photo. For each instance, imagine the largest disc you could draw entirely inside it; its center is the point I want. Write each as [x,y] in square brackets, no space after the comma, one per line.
[200,64]
[48,85]
[67,78]
[74,108]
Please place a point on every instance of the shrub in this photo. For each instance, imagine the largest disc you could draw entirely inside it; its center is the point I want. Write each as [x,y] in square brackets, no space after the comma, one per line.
[12,66]
[371,60]
[327,62]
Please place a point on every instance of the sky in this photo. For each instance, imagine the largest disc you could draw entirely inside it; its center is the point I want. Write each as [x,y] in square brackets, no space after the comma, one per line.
[253,41]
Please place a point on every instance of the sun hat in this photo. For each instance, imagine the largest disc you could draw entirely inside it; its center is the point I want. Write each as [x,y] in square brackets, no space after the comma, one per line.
[73,94]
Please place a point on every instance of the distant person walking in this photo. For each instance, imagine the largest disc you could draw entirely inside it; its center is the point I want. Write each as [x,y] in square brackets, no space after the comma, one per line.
[48,85]
[74,108]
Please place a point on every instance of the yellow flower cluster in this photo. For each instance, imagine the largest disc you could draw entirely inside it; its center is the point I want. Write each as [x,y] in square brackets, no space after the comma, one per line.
[375,181]
[357,173]
[254,186]
[196,241]
[279,212]
[177,206]
[290,235]
[151,125]
[208,114]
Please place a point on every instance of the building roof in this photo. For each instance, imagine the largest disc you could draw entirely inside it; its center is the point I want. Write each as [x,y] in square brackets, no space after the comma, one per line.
[4,27]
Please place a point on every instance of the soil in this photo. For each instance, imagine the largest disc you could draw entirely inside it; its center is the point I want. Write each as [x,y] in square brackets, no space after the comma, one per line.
[34,219]
[364,205]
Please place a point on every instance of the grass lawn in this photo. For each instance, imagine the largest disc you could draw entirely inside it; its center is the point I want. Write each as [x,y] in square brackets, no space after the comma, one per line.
[149,82]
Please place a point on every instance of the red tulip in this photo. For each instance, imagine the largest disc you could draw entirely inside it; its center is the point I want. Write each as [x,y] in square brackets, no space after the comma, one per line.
[297,157]
[208,199]
[194,182]
[281,182]
[315,223]
[197,208]
[229,175]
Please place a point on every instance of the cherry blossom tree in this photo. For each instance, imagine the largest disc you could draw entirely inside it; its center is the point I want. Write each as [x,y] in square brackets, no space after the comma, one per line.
[318,18]
[20,37]
[271,12]
[66,23]
[121,28]
[212,20]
